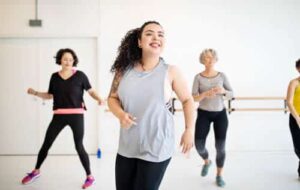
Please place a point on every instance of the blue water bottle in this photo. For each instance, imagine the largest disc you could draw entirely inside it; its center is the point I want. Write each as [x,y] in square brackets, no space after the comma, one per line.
[98,153]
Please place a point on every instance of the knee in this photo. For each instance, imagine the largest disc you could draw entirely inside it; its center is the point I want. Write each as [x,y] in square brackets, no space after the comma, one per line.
[221,153]
[220,147]
[79,147]
[297,151]
[199,144]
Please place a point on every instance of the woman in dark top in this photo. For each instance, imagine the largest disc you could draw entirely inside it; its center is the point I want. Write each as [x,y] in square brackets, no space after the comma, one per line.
[66,88]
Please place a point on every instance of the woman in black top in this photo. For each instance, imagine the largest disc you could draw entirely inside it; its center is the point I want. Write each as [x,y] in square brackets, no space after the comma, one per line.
[66,88]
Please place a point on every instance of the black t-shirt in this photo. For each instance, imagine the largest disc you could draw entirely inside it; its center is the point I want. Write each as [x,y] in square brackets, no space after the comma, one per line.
[68,93]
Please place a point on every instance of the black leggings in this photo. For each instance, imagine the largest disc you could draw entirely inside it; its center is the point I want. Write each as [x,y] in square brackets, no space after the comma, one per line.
[220,121]
[295,131]
[76,122]
[137,174]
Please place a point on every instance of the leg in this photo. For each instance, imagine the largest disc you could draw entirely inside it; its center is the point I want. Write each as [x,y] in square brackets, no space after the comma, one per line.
[201,132]
[295,132]
[150,174]
[125,172]
[220,130]
[77,126]
[55,126]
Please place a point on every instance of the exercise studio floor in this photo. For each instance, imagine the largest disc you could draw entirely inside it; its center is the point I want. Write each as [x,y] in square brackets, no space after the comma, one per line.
[243,171]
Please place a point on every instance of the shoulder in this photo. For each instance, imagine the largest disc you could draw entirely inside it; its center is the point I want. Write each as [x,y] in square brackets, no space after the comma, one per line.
[294,82]
[173,71]
[222,74]
[172,68]
[81,73]
[198,76]
[54,75]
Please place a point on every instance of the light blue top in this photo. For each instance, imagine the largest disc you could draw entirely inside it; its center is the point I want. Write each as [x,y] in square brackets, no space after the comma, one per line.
[202,84]
[142,95]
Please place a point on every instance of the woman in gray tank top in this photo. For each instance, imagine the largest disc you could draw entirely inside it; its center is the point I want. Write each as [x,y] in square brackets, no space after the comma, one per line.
[139,98]
[209,89]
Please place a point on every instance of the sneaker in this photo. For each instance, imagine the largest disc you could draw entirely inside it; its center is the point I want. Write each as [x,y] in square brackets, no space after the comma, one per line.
[31,177]
[88,182]
[219,181]
[205,169]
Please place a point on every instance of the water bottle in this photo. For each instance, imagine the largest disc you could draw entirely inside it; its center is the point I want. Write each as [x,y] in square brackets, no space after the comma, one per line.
[98,153]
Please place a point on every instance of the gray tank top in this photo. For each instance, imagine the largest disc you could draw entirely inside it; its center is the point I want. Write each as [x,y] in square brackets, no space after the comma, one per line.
[142,95]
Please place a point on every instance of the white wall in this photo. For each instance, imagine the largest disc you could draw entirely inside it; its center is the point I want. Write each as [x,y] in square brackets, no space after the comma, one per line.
[60,18]
[30,51]
[257,42]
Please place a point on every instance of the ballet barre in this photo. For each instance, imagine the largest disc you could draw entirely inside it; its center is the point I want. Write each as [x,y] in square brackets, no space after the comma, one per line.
[231,109]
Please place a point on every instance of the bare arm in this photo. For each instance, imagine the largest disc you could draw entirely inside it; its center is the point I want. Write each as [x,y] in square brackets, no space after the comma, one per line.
[42,95]
[95,96]
[114,104]
[113,100]
[290,98]
[179,85]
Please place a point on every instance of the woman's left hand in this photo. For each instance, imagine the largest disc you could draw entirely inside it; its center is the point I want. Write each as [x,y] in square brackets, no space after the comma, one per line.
[187,141]
[101,102]
[219,90]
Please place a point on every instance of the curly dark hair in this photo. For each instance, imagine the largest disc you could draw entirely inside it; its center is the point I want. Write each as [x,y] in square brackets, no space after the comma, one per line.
[298,64]
[129,52]
[60,54]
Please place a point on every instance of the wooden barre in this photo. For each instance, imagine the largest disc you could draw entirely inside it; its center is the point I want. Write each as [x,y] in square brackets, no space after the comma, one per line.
[239,109]
[250,109]
[230,109]
[258,109]
[254,98]
[258,98]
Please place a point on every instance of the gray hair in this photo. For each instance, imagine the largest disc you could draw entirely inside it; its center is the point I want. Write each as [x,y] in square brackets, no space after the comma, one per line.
[206,51]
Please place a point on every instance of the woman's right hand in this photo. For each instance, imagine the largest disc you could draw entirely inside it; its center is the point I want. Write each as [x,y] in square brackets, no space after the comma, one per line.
[127,120]
[31,91]
[209,94]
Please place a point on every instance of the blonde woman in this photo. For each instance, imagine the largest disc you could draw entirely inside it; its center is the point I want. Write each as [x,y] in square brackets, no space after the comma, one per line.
[209,88]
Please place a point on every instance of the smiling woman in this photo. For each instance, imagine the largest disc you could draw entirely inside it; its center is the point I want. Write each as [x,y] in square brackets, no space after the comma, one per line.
[140,98]
[66,88]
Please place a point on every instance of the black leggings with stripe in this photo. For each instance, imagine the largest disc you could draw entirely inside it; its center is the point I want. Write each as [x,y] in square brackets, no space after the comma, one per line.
[59,121]
[220,123]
